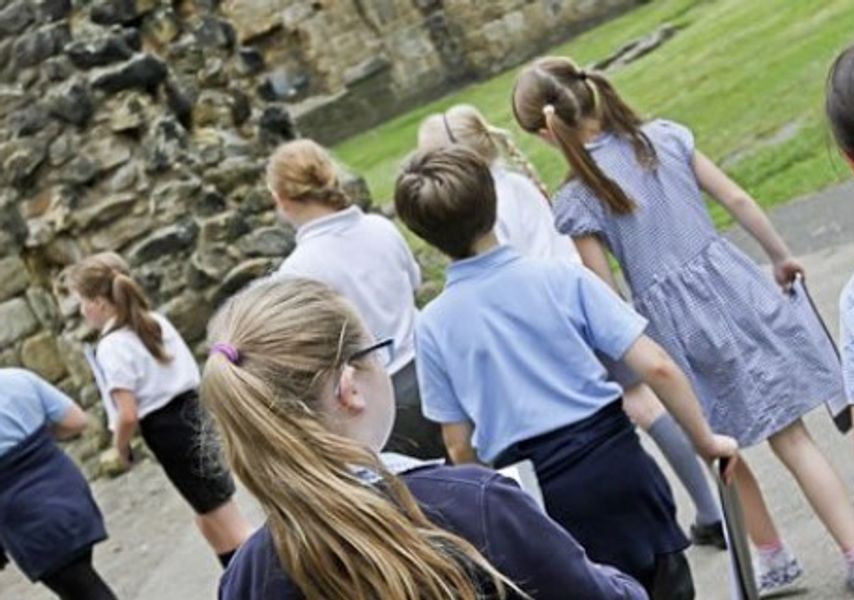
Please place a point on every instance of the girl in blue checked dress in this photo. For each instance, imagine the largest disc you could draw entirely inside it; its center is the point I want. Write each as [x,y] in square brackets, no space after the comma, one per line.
[757,362]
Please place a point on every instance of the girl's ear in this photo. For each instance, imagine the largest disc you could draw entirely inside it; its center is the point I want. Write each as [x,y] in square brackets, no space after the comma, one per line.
[349,397]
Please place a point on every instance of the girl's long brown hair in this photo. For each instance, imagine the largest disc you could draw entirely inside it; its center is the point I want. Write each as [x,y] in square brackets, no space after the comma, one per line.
[553,94]
[336,535]
[106,275]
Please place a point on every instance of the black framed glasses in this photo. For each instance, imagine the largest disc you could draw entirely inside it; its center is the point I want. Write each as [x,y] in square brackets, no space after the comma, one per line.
[383,350]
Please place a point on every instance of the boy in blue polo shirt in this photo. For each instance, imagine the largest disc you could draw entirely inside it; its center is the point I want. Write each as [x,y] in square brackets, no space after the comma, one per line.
[506,363]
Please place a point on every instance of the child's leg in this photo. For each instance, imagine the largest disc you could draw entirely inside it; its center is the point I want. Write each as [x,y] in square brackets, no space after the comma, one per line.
[79,581]
[650,415]
[760,525]
[225,529]
[777,567]
[824,490]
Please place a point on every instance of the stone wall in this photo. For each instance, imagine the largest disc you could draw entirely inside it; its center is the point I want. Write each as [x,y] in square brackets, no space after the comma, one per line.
[133,126]
[143,126]
[345,65]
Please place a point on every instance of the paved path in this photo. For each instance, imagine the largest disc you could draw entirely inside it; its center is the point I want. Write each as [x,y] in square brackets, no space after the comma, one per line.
[154,552]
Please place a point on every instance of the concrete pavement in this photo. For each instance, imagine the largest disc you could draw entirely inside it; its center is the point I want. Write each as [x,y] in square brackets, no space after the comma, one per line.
[155,553]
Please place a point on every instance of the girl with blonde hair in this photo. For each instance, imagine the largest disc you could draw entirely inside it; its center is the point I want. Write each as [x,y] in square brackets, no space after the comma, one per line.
[297,387]
[365,258]
[524,220]
[149,380]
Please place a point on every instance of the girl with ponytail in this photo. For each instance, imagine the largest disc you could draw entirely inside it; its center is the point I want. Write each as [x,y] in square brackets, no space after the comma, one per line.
[525,222]
[149,380]
[524,217]
[757,356]
[298,391]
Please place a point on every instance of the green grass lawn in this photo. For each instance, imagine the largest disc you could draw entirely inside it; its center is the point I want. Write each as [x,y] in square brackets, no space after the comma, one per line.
[746,75]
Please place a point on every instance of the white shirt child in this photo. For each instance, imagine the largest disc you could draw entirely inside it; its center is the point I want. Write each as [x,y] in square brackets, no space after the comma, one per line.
[525,219]
[365,259]
[126,364]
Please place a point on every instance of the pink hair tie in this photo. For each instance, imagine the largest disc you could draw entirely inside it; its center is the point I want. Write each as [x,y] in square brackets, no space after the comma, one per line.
[228,351]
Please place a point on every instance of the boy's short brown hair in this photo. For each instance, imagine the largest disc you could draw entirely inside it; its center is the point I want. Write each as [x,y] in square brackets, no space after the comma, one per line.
[447,198]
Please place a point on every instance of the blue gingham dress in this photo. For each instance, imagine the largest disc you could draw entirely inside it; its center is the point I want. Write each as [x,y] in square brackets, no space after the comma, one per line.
[756,357]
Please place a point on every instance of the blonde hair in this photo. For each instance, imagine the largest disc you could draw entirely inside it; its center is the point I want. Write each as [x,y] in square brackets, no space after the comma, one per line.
[303,171]
[106,275]
[336,536]
[464,124]
[554,94]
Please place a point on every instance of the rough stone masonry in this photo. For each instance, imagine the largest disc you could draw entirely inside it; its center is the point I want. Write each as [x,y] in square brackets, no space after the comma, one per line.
[143,126]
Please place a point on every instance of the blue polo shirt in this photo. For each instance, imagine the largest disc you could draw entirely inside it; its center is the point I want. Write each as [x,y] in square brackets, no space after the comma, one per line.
[26,403]
[509,346]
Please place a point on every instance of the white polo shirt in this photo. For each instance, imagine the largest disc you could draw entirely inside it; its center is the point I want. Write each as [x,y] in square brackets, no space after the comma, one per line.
[364,258]
[525,220]
[126,364]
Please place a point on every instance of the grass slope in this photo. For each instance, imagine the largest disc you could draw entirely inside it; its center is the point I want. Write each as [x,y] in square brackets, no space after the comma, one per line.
[746,76]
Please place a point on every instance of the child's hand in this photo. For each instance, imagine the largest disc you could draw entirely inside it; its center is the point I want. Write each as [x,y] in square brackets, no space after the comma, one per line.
[719,446]
[785,271]
[722,446]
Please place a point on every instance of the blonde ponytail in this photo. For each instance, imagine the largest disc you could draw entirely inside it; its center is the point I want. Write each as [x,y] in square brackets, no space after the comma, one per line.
[336,535]
[503,139]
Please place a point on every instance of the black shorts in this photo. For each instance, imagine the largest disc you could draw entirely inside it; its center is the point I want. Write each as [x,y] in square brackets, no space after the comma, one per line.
[172,435]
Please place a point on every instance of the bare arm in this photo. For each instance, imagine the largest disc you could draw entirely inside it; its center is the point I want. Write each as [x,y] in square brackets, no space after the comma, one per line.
[655,367]
[749,215]
[126,422]
[595,258]
[457,437]
[73,423]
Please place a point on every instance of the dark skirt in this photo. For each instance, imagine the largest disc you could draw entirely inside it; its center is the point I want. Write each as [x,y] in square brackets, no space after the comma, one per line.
[413,434]
[48,517]
[172,433]
[598,483]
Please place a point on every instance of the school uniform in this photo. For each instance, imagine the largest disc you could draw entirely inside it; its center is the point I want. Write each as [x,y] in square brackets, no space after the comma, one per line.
[524,219]
[48,517]
[757,358]
[509,346]
[846,337]
[170,418]
[365,259]
[486,509]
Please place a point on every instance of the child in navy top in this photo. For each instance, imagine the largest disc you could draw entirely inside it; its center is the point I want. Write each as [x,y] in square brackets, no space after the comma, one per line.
[524,221]
[149,379]
[755,353]
[298,389]
[840,113]
[506,364]
[49,521]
